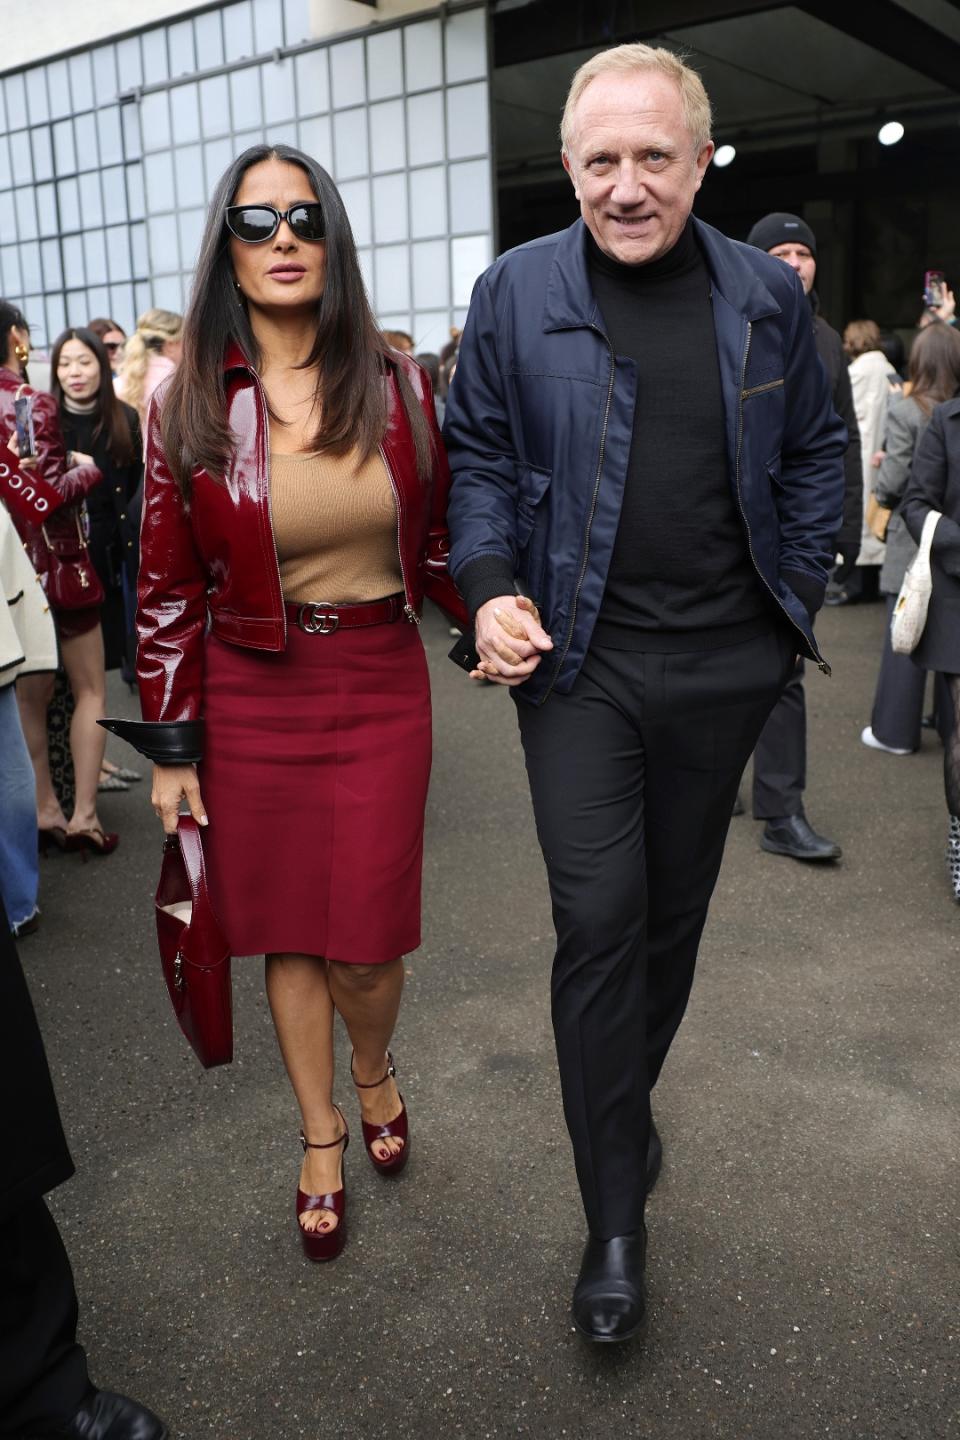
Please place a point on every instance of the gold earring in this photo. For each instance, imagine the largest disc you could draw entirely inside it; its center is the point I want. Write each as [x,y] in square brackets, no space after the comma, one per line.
[22,352]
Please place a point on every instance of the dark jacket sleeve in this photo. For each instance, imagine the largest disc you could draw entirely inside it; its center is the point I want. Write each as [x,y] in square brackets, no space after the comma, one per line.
[438,583]
[35,1154]
[810,503]
[482,512]
[926,490]
[133,507]
[830,348]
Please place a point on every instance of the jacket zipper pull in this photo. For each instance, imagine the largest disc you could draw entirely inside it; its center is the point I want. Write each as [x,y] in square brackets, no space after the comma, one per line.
[411,614]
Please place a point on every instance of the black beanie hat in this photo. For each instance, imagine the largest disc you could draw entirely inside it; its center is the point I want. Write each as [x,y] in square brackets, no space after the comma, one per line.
[780,229]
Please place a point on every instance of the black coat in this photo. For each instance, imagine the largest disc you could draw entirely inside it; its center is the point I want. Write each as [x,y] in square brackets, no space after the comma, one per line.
[34,1152]
[113,508]
[934,484]
[830,349]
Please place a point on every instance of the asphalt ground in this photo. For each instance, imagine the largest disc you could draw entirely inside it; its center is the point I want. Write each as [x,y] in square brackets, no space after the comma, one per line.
[803,1263]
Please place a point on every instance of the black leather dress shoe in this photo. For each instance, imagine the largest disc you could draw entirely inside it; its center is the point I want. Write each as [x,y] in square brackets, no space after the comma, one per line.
[793,835]
[105,1416]
[609,1302]
[654,1156]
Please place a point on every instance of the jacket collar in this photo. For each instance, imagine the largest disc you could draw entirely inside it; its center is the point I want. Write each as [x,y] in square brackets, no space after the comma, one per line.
[235,359]
[570,302]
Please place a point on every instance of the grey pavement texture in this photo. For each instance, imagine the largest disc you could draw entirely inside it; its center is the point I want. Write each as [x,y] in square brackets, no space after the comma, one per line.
[803,1265]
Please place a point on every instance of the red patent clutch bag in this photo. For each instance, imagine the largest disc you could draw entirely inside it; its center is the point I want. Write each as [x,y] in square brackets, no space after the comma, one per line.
[193,949]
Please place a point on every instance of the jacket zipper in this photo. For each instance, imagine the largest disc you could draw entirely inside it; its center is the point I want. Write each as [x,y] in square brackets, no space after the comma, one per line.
[822,664]
[276,554]
[408,608]
[593,509]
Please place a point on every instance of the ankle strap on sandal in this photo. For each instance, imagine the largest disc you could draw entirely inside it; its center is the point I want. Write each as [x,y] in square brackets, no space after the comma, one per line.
[312,1145]
[391,1073]
[328,1144]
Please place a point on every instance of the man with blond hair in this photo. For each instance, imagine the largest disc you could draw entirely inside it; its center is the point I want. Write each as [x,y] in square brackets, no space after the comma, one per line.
[646,461]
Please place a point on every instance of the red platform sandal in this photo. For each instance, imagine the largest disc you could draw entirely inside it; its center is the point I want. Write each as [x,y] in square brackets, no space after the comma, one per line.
[396,1129]
[325,1244]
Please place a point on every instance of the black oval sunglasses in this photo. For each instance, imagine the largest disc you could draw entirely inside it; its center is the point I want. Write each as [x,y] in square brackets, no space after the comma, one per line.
[255,223]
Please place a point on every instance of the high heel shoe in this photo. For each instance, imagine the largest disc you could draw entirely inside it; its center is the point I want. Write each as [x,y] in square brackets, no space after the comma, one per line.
[86,841]
[51,837]
[325,1244]
[396,1129]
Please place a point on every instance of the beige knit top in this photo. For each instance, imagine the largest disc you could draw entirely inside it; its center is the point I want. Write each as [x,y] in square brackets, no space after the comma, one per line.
[335,524]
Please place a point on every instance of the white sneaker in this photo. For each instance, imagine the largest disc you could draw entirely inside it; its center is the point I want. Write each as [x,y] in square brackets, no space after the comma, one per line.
[868,738]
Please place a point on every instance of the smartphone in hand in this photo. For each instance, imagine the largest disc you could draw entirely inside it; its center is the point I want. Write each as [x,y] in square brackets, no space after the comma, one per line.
[934,289]
[23,419]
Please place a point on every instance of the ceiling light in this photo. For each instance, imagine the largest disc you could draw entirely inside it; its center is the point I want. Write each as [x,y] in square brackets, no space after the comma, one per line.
[890,133]
[726,153]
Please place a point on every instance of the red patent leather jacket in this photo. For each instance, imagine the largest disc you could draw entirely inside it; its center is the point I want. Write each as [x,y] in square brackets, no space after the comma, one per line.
[72,484]
[215,559]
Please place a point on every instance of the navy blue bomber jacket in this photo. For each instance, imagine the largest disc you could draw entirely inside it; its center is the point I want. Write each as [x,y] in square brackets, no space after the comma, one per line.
[539,423]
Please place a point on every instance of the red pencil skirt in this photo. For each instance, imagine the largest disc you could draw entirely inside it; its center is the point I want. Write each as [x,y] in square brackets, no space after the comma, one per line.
[314,778]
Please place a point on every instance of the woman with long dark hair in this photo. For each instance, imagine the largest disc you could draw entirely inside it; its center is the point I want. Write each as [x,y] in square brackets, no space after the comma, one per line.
[294,506]
[934,485]
[98,427]
[933,375]
[78,631]
[101,430]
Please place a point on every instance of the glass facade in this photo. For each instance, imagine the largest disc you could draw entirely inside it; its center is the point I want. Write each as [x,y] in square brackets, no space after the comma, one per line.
[108,157]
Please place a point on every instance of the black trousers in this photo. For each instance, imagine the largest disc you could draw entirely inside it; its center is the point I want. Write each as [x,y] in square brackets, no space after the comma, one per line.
[780,759]
[898,701]
[43,1371]
[633,776]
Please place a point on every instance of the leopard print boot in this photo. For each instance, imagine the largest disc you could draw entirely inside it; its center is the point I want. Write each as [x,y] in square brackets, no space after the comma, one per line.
[953,856]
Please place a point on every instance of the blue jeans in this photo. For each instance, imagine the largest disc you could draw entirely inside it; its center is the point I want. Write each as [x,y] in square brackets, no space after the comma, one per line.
[19,869]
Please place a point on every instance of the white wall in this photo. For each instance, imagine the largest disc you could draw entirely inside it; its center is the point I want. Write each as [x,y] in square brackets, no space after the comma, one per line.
[67,24]
[71,23]
[330,16]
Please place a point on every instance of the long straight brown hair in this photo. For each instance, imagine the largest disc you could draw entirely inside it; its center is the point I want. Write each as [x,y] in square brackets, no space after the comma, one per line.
[934,369]
[349,353]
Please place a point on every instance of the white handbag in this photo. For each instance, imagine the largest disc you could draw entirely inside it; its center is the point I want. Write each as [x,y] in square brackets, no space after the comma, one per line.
[910,611]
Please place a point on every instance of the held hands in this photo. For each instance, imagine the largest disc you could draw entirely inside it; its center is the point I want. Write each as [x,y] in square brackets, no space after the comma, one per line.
[29,462]
[171,784]
[947,308]
[509,639]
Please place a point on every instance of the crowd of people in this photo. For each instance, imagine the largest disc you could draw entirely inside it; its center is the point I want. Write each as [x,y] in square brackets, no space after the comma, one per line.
[294,453]
[86,442]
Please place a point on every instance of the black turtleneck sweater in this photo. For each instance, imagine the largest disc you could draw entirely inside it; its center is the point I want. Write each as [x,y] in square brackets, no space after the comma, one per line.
[680,577]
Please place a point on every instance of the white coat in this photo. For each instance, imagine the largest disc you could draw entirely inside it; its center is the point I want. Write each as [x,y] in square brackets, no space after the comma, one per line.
[870,377]
[28,637]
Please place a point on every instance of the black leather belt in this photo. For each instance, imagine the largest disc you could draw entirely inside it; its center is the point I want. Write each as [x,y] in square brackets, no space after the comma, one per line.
[319,618]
